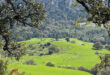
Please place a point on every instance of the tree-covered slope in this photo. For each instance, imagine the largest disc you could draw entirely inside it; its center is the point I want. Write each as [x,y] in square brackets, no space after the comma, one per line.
[61,16]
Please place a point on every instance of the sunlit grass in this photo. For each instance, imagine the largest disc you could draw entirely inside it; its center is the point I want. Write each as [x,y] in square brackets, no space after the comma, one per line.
[72,54]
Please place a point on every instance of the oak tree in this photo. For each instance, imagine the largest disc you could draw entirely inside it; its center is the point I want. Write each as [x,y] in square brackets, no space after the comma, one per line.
[15,13]
[99,12]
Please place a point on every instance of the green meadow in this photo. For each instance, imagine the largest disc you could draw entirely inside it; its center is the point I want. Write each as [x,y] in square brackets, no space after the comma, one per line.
[77,54]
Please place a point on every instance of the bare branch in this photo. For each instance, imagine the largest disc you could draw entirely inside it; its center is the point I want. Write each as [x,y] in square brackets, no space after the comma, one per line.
[83,4]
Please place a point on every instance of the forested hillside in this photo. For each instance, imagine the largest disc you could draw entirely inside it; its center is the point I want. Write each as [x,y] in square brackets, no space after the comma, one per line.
[61,16]
[54,37]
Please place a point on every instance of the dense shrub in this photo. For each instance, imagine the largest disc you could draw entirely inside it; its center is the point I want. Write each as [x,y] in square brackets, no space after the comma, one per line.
[56,38]
[96,53]
[41,45]
[41,54]
[67,39]
[102,68]
[30,46]
[50,64]
[33,48]
[98,69]
[94,70]
[20,38]
[31,54]
[53,49]
[83,69]
[73,41]
[47,44]
[3,67]
[104,72]
[30,62]
[68,67]
[98,46]
[107,47]
[83,44]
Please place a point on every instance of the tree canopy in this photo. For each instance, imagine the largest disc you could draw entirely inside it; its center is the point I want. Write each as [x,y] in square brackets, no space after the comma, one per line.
[14,13]
[99,12]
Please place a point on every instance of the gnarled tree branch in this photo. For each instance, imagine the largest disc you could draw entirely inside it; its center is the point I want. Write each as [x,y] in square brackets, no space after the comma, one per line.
[83,4]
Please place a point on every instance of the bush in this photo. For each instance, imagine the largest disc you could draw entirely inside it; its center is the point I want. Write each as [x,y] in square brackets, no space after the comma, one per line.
[104,72]
[107,47]
[96,53]
[56,38]
[20,38]
[68,67]
[98,46]
[50,64]
[53,49]
[94,70]
[30,46]
[102,68]
[47,44]
[30,62]
[83,44]
[73,41]
[31,54]
[3,67]
[33,48]
[67,39]
[41,54]
[83,69]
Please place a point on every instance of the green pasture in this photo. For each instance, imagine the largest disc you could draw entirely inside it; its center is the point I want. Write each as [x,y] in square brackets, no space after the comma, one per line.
[71,54]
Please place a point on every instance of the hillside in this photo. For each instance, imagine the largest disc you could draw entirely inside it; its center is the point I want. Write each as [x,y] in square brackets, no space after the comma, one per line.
[59,23]
[77,54]
[41,70]
[54,37]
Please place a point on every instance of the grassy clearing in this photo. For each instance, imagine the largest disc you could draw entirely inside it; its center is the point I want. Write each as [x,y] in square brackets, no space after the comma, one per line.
[44,70]
[71,54]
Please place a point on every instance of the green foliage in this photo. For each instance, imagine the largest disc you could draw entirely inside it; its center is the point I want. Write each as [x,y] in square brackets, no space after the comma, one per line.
[103,67]
[53,49]
[98,46]
[67,39]
[99,12]
[107,47]
[73,41]
[59,22]
[104,72]
[87,32]
[29,62]
[3,66]
[50,64]
[77,23]
[68,67]
[29,13]
[83,69]
[47,44]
